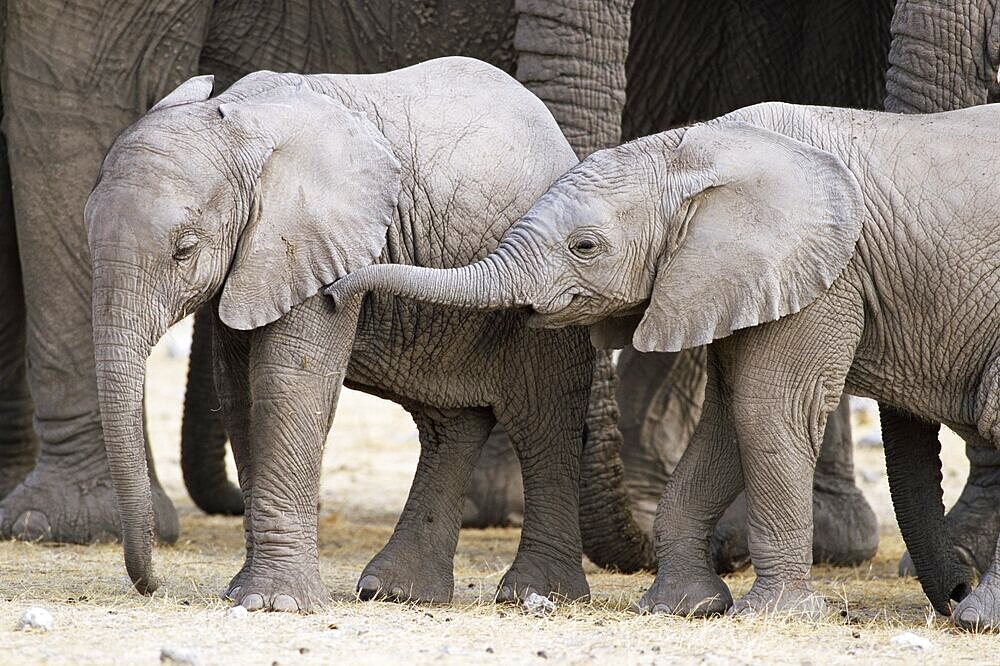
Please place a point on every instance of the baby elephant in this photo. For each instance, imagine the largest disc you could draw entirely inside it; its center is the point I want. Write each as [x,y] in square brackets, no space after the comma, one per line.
[822,250]
[256,199]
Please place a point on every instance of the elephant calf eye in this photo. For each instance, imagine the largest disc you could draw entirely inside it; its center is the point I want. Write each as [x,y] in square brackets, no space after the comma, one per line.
[584,247]
[185,246]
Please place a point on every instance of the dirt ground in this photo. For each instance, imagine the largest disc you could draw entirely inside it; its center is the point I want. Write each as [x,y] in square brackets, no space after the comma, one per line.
[369,463]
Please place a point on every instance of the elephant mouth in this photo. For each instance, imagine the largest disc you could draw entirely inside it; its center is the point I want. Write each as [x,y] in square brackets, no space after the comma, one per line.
[567,309]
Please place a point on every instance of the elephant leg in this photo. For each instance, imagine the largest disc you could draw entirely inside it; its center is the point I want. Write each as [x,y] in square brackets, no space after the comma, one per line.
[545,420]
[974,521]
[845,529]
[706,481]
[296,369]
[18,443]
[496,494]
[63,108]
[980,611]
[203,433]
[417,564]
[230,364]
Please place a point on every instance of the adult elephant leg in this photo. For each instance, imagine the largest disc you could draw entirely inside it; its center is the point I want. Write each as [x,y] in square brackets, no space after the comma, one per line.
[203,434]
[544,409]
[18,443]
[571,54]
[74,75]
[495,497]
[417,562]
[845,530]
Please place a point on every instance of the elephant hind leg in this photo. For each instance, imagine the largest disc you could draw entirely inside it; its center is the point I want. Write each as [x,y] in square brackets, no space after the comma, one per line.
[417,562]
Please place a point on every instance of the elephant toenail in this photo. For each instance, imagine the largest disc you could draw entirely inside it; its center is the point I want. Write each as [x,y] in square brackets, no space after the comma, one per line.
[662,608]
[253,602]
[285,603]
[368,587]
[969,617]
[398,593]
[32,526]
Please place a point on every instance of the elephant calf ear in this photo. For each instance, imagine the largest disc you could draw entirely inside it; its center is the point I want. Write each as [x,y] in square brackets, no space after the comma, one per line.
[765,225]
[323,204]
[195,89]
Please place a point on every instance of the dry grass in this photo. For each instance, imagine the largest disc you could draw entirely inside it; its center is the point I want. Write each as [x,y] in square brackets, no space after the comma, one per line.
[366,475]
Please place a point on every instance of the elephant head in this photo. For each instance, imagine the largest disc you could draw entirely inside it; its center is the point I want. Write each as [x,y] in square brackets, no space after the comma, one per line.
[259,197]
[673,240]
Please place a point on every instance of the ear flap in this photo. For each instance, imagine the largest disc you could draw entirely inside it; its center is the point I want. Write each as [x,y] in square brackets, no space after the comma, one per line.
[323,204]
[195,89]
[614,332]
[764,225]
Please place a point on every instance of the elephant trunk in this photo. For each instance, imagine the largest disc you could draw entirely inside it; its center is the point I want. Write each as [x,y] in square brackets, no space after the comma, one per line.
[121,346]
[913,465]
[497,281]
[612,539]
[203,435]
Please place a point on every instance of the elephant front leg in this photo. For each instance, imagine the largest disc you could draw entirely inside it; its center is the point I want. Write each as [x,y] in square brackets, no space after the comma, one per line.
[706,481]
[980,611]
[296,368]
[417,562]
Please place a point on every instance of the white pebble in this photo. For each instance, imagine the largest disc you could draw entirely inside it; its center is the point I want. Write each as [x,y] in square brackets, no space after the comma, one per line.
[539,605]
[910,641]
[185,656]
[236,613]
[36,618]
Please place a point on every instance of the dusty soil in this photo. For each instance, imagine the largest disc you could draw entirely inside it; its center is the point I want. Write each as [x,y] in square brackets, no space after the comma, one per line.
[368,466]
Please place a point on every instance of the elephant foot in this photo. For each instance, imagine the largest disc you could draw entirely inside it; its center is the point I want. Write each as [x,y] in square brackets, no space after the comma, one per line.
[980,611]
[531,574]
[973,523]
[290,589]
[226,500]
[698,595]
[845,529]
[798,600]
[12,474]
[407,574]
[60,505]
[495,497]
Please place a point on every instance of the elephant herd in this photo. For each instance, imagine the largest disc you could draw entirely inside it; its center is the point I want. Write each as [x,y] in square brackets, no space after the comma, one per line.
[419,226]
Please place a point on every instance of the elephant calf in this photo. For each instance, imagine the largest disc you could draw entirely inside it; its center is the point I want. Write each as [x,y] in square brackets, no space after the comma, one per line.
[821,250]
[253,201]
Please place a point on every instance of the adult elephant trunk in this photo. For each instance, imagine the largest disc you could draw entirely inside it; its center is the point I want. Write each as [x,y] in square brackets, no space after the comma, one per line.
[612,538]
[502,279]
[203,435]
[913,465]
[122,341]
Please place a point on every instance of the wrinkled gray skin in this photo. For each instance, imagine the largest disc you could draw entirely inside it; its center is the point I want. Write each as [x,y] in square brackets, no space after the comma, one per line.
[812,52]
[841,236]
[255,199]
[944,56]
[64,106]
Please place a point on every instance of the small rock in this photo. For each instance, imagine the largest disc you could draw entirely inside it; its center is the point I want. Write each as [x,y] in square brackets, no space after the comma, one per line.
[538,605]
[236,613]
[541,653]
[185,656]
[910,641]
[36,619]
